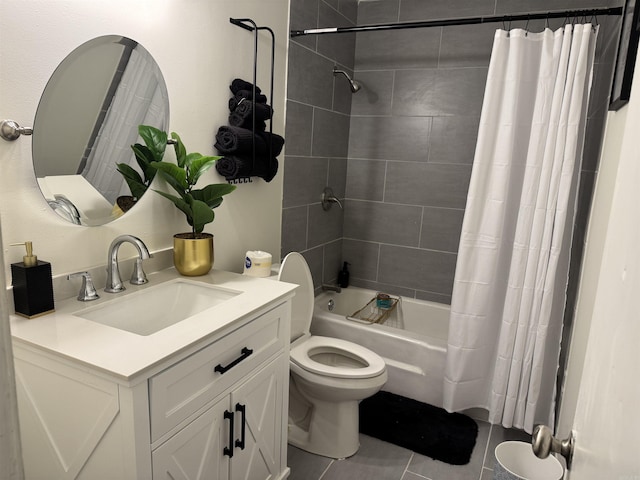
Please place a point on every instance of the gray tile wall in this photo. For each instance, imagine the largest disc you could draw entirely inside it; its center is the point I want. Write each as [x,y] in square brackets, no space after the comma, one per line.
[317,134]
[409,136]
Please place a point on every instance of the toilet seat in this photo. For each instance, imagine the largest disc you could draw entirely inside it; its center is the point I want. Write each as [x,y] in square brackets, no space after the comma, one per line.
[301,355]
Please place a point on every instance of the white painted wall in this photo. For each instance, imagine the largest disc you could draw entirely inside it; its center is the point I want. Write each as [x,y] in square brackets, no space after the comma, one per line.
[602,391]
[594,247]
[199,53]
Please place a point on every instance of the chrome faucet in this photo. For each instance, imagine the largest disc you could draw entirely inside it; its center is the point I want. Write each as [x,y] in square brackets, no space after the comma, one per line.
[328,199]
[66,207]
[114,282]
[88,290]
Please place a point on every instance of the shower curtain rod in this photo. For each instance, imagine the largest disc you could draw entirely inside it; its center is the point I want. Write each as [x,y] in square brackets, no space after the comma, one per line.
[462,21]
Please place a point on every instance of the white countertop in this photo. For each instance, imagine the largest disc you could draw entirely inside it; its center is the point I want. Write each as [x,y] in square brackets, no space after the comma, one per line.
[127,355]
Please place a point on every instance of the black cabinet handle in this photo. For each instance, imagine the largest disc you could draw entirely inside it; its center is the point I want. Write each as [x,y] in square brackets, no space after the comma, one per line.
[243,410]
[229,449]
[244,354]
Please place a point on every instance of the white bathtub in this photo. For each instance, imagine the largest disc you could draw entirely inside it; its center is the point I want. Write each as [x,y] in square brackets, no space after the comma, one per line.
[415,355]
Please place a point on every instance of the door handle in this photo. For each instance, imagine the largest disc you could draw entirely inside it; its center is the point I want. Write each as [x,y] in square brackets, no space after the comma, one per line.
[244,354]
[543,443]
[228,450]
[243,410]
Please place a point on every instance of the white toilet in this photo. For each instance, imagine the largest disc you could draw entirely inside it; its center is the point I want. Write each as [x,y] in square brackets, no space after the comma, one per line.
[328,378]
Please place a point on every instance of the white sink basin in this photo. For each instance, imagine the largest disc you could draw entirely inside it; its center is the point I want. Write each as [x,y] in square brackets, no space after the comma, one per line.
[152,309]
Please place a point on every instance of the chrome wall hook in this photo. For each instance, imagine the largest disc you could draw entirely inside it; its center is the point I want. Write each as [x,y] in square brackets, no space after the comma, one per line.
[544,443]
[10,130]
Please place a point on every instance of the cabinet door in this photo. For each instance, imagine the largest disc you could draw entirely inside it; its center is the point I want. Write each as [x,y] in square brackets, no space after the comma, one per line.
[258,406]
[196,451]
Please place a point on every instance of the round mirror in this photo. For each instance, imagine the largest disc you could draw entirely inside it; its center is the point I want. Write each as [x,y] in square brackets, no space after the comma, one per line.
[86,122]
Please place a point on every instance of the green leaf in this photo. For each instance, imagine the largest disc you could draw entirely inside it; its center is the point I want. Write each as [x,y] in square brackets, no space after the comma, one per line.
[190,158]
[155,139]
[212,202]
[128,172]
[145,158]
[212,194]
[198,166]
[174,175]
[133,179]
[183,205]
[201,215]
[181,151]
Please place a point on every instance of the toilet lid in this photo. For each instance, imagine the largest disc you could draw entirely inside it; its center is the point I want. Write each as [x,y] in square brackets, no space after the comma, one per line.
[302,353]
[295,270]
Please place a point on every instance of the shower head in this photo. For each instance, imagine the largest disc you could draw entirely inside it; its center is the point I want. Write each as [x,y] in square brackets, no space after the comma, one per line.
[353,84]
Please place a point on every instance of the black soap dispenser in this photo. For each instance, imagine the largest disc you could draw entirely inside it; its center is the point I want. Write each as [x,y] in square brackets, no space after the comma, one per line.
[343,276]
[32,285]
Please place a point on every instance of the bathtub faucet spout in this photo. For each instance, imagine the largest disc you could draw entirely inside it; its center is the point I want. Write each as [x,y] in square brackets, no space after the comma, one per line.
[332,288]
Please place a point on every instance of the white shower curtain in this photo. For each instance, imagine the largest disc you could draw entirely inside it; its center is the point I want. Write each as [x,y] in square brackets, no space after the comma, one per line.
[511,274]
[139,100]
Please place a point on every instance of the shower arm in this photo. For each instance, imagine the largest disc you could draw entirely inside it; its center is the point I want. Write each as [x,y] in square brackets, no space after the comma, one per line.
[353,85]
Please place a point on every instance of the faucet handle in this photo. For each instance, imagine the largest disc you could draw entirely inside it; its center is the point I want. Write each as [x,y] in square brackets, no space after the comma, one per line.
[88,290]
[328,199]
[138,276]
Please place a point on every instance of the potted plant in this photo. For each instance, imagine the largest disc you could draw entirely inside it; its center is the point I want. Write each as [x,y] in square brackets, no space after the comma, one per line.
[151,152]
[192,251]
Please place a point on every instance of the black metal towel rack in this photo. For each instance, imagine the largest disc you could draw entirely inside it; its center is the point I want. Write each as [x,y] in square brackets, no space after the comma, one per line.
[594,12]
[251,26]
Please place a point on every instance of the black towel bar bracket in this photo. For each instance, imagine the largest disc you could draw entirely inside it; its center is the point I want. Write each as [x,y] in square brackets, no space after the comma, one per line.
[251,26]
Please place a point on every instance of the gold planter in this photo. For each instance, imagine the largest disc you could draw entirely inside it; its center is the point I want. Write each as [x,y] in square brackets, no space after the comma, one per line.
[193,256]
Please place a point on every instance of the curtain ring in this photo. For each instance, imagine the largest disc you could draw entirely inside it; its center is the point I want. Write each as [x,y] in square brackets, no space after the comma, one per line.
[506,25]
[526,27]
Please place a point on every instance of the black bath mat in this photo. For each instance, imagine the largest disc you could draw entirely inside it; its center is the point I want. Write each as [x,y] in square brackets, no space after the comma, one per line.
[422,428]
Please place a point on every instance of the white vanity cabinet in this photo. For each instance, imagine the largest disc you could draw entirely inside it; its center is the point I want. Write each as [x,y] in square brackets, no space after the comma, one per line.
[236,438]
[216,410]
[239,434]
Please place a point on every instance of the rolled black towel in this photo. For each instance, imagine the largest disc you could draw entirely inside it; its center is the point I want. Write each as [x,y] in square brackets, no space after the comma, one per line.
[239,84]
[262,110]
[233,167]
[228,167]
[234,139]
[238,140]
[233,103]
[248,95]
[237,120]
[276,141]
[244,95]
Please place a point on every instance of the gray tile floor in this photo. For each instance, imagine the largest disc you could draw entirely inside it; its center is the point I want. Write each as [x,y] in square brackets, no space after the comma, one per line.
[378,460]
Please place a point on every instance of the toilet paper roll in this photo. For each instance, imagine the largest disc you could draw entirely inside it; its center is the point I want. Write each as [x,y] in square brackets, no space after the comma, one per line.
[257,263]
